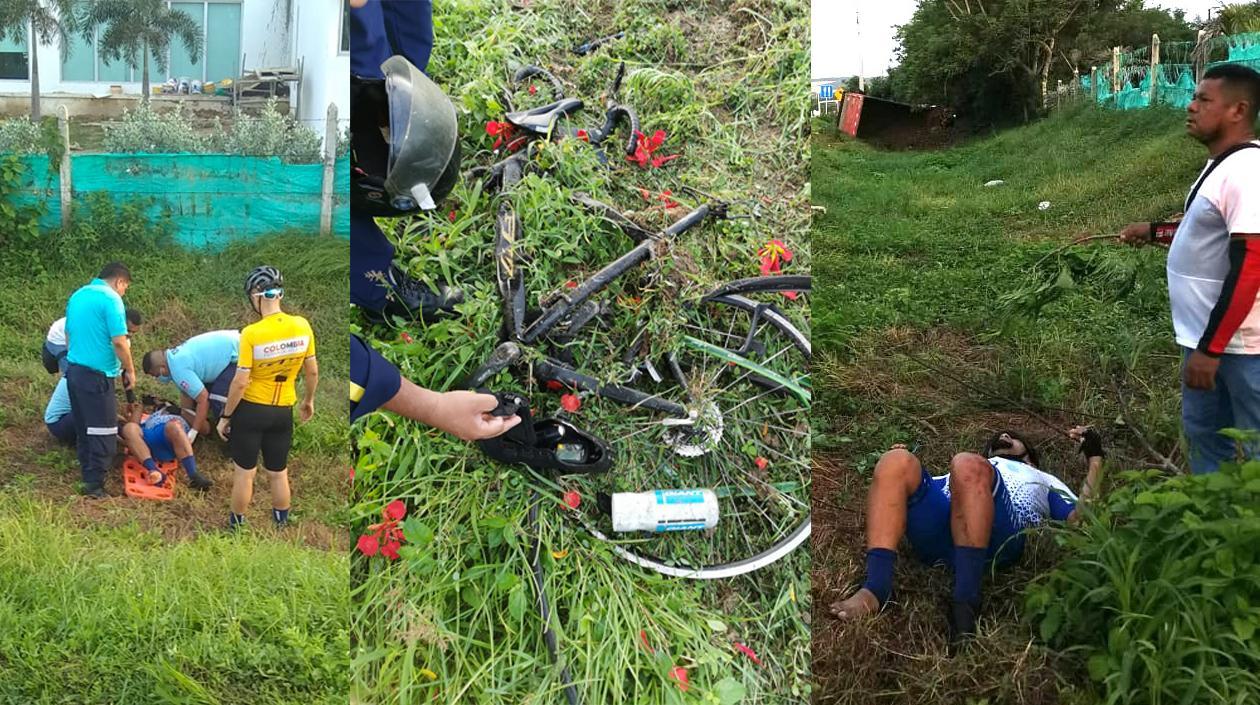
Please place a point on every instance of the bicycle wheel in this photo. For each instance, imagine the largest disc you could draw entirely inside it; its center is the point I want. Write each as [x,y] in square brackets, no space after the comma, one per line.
[740,365]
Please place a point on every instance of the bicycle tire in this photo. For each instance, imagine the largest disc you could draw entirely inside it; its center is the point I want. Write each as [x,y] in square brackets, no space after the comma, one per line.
[733,296]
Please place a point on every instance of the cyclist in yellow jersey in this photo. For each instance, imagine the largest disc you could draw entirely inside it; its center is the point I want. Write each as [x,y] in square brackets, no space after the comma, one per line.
[258,415]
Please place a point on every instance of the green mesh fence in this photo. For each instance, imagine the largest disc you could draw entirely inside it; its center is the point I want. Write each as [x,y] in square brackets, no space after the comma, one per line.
[1237,49]
[1133,80]
[1175,73]
[212,199]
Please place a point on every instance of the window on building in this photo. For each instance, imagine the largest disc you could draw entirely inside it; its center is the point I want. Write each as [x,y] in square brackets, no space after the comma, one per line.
[345,27]
[220,23]
[14,60]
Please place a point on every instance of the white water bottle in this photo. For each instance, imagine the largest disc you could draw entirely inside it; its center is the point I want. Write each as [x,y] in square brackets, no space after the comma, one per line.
[664,510]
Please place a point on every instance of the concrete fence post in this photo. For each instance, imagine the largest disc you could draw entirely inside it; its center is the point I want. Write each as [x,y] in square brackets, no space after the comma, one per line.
[330,161]
[1202,61]
[1115,73]
[1154,69]
[67,187]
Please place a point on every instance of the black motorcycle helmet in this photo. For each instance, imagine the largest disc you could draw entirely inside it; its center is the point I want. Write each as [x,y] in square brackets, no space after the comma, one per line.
[404,142]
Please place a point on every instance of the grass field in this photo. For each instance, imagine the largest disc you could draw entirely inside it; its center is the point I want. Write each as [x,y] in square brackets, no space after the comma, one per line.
[455,620]
[122,600]
[949,314]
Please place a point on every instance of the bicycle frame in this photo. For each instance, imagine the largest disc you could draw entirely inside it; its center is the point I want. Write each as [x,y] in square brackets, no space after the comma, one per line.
[512,290]
[505,175]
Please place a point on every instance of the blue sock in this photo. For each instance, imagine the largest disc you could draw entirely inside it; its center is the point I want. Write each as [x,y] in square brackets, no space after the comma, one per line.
[190,466]
[968,570]
[151,465]
[235,520]
[280,516]
[879,572]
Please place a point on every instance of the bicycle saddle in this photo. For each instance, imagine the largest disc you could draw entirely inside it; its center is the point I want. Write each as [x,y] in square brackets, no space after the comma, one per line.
[541,118]
[552,445]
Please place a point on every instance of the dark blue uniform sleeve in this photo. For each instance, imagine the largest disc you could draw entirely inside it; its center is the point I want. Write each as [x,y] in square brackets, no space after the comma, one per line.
[383,28]
[1060,506]
[373,379]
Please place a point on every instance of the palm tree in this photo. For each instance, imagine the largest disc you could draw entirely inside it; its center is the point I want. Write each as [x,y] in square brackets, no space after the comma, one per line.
[46,21]
[1237,18]
[134,29]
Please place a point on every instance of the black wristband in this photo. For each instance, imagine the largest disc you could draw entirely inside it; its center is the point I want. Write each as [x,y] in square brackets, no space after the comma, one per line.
[1091,444]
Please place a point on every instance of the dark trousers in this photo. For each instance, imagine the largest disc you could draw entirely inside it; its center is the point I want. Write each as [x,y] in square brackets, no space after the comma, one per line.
[378,31]
[371,255]
[95,410]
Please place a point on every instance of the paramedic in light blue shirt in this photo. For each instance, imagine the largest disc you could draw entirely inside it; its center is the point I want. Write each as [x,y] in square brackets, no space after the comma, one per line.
[57,415]
[202,367]
[96,330]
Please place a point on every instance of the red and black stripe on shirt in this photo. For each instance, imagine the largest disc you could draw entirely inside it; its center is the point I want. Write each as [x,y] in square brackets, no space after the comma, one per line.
[1238,294]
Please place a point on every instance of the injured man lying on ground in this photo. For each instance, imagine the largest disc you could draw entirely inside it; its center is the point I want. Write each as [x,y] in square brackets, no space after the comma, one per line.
[971,516]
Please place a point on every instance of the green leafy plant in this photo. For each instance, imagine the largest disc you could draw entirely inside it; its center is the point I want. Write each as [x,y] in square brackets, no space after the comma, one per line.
[1160,591]
[146,130]
[270,132]
[19,224]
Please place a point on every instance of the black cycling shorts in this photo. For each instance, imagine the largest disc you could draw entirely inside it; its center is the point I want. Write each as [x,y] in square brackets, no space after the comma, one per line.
[261,427]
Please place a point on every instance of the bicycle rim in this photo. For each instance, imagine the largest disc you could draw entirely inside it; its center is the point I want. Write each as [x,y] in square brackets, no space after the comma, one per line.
[740,362]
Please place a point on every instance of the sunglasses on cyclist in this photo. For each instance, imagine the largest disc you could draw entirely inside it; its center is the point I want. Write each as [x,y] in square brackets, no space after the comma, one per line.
[269,293]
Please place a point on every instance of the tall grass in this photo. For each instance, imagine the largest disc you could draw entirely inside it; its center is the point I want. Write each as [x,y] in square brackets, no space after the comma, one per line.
[117,616]
[948,315]
[128,601]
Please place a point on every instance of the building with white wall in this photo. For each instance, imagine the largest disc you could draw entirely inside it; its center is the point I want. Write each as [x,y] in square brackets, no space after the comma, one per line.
[239,35]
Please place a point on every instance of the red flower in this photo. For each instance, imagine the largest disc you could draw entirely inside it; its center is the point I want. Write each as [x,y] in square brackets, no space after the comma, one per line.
[451,216]
[572,499]
[390,550]
[679,674]
[665,197]
[645,147]
[583,135]
[646,645]
[406,338]
[533,89]
[500,131]
[774,255]
[790,294]
[553,385]
[352,474]
[368,545]
[748,652]
[385,537]
[761,462]
[516,143]
[570,402]
[395,510]
[570,284]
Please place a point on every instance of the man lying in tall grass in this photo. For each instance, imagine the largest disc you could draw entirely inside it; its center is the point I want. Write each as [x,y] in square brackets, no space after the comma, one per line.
[974,515]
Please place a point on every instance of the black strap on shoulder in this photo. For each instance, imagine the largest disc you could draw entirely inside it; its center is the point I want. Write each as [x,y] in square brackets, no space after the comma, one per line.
[1212,167]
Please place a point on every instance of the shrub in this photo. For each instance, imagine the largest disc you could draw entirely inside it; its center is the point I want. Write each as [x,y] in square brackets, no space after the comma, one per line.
[1161,592]
[269,133]
[145,130]
[20,136]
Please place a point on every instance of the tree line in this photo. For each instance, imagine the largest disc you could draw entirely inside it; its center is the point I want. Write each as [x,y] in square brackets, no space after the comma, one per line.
[993,61]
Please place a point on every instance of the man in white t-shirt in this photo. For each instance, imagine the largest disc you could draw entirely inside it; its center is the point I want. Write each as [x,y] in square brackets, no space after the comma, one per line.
[1214,269]
[972,516]
[54,350]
